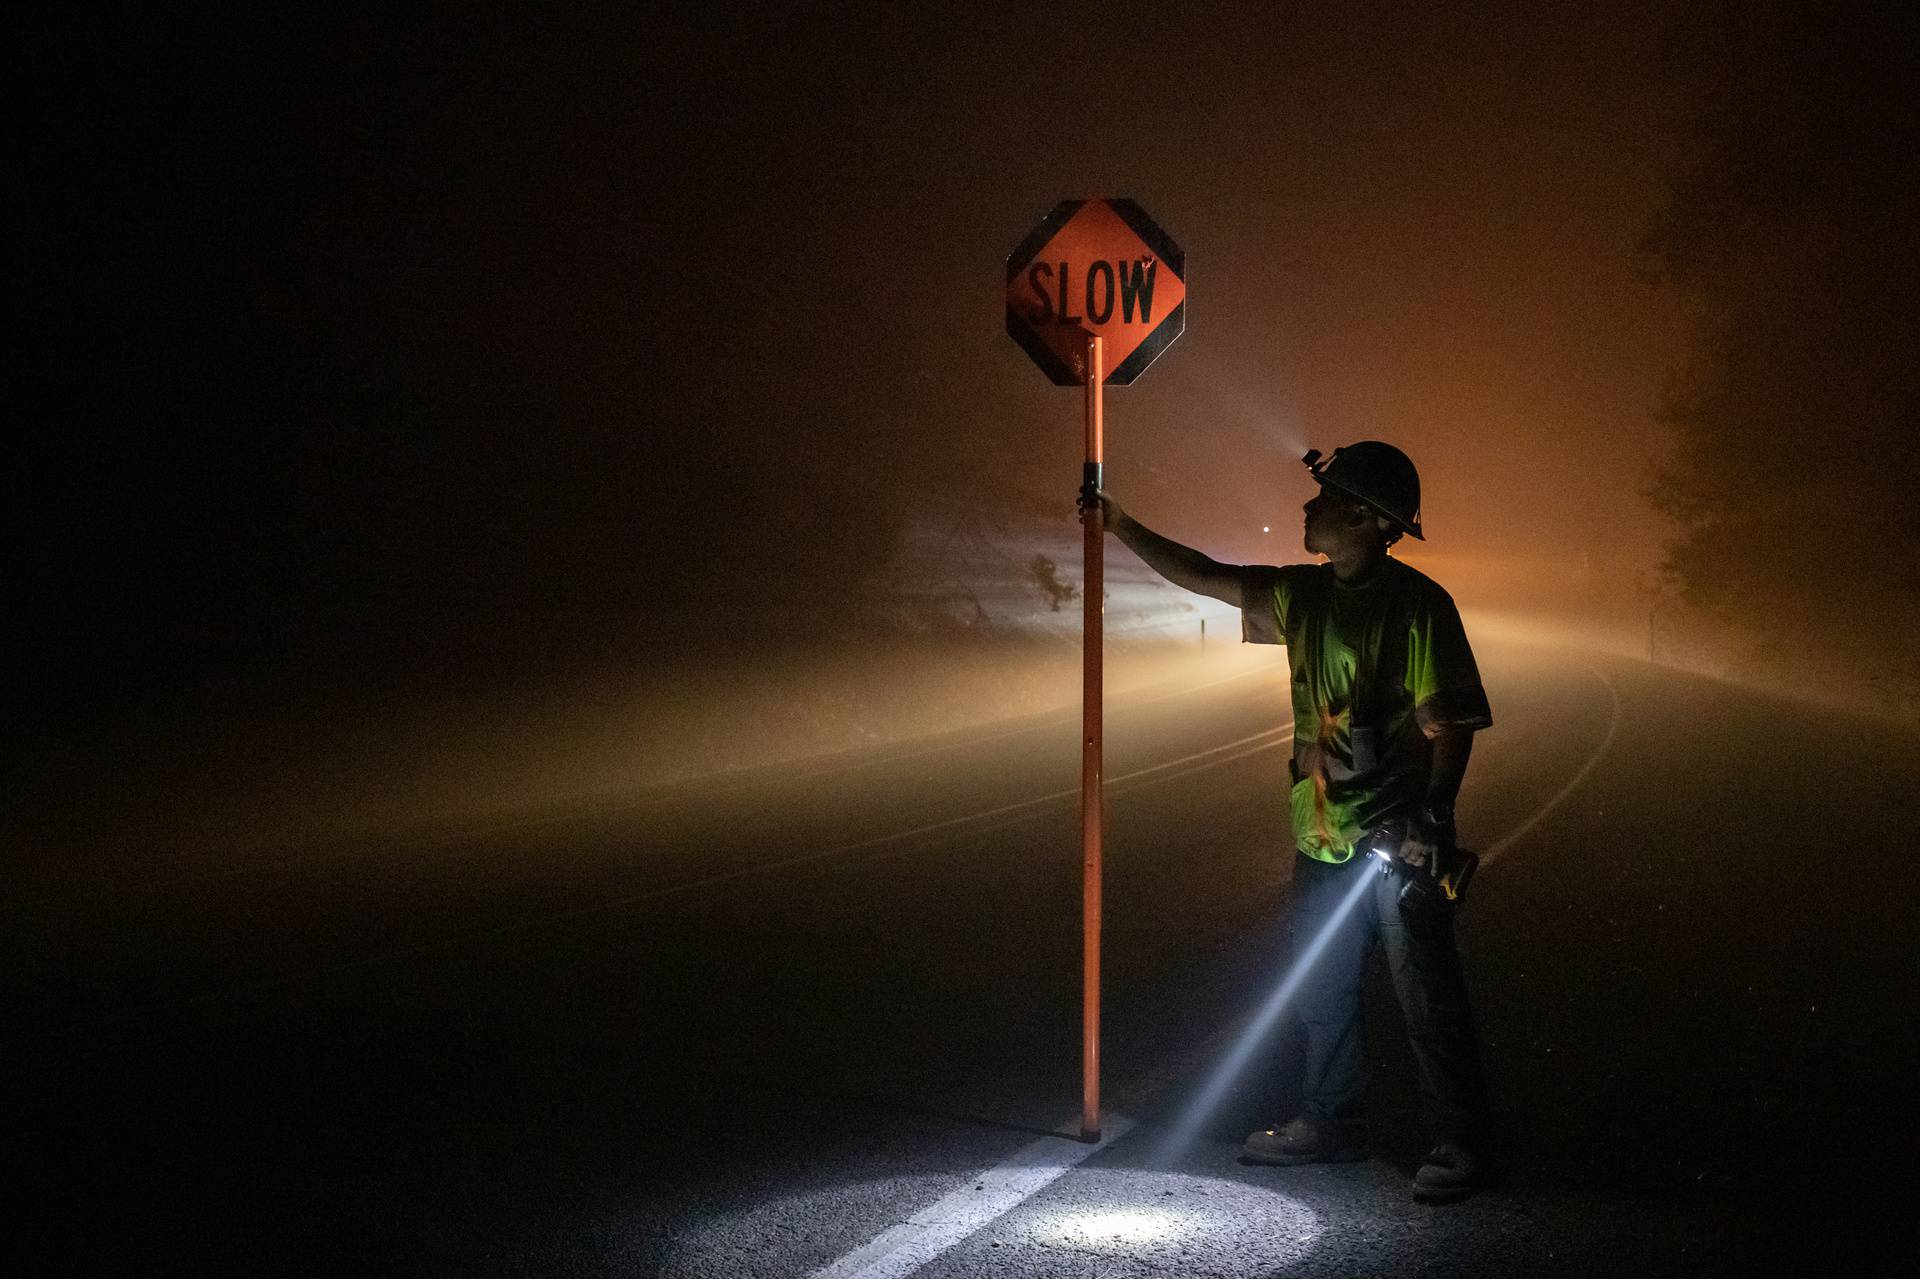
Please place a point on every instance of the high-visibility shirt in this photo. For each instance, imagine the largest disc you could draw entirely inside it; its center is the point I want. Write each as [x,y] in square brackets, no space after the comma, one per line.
[1379,668]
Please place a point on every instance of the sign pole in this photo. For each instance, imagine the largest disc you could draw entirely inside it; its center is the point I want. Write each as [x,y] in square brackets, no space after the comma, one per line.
[1096,292]
[1091,786]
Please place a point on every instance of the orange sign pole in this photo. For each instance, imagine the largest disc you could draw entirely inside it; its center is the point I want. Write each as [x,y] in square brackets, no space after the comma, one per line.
[1091,786]
[1096,292]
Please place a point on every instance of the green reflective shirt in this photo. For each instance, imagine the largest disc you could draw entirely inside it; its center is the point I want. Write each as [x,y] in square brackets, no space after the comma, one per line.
[1379,668]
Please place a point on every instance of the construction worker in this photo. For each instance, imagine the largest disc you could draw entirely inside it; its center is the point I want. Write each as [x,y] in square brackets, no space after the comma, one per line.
[1386,699]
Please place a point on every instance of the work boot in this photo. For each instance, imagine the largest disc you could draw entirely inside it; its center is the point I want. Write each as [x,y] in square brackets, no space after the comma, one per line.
[1305,1139]
[1449,1174]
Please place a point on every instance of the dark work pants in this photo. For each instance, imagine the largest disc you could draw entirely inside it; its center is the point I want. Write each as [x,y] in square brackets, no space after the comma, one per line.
[1426,976]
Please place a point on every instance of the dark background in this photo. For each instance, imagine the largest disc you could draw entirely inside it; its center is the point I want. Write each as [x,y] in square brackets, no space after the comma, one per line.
[430,430]
[466,348]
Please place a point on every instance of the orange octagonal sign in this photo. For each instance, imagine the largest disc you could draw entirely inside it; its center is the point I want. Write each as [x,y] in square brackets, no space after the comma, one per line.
[1096,267]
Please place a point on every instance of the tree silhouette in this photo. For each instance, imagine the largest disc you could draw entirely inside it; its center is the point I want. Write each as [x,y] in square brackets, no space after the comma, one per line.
[1796,411]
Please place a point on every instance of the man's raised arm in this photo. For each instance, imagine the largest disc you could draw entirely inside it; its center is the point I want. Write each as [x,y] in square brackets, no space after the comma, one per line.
[1181,565]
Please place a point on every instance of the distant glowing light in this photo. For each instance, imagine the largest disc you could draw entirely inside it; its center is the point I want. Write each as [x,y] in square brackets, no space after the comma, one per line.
[1265,528]
[1113,1228]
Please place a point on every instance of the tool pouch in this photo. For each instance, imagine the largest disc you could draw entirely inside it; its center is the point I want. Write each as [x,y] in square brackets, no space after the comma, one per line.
[1453,870]
[1424,892]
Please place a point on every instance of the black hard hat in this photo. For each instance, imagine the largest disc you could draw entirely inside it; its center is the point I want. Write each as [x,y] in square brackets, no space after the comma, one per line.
[1376,475]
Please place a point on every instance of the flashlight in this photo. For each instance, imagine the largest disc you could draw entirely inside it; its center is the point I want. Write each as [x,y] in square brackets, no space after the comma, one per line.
[1382,844]
[1445,879]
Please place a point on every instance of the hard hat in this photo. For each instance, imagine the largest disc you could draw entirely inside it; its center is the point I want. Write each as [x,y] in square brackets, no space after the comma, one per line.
[1376,475]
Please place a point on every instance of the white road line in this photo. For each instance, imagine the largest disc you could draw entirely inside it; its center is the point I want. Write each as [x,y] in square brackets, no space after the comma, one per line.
[1613,726]
[1115,786]
[1245,746]
[1279,734]
[981,1198]
[1058,719]
[373,843]
[1212,683]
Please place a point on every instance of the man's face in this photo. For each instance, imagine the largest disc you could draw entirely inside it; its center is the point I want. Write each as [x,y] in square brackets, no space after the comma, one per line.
[1333,522]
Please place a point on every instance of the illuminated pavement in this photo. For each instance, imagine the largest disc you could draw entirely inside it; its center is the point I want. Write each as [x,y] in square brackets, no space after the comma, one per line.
[751,1027]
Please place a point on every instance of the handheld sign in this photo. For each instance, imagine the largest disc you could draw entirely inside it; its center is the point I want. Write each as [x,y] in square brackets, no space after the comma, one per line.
[1096,268]
[1094,294]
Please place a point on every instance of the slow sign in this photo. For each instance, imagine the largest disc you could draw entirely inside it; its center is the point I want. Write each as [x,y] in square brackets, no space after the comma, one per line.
[1096,268]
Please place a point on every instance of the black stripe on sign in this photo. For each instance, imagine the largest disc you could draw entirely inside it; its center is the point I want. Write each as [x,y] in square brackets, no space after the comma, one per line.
[1152,236]
[1056,369]
[1037,238]
[1148,351]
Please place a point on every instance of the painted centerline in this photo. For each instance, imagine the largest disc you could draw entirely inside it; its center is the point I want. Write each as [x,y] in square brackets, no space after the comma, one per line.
[982,1198]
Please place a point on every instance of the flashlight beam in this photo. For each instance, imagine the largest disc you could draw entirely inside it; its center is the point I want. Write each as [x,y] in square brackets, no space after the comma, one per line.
[1223,1076]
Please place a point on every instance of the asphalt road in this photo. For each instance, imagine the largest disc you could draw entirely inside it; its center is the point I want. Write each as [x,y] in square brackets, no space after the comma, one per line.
[749,1027]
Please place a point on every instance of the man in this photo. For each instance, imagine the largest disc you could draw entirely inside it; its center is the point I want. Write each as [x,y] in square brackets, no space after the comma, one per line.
[1386,699]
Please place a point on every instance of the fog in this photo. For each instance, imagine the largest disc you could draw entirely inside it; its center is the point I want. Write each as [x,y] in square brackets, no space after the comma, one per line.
[394,383]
